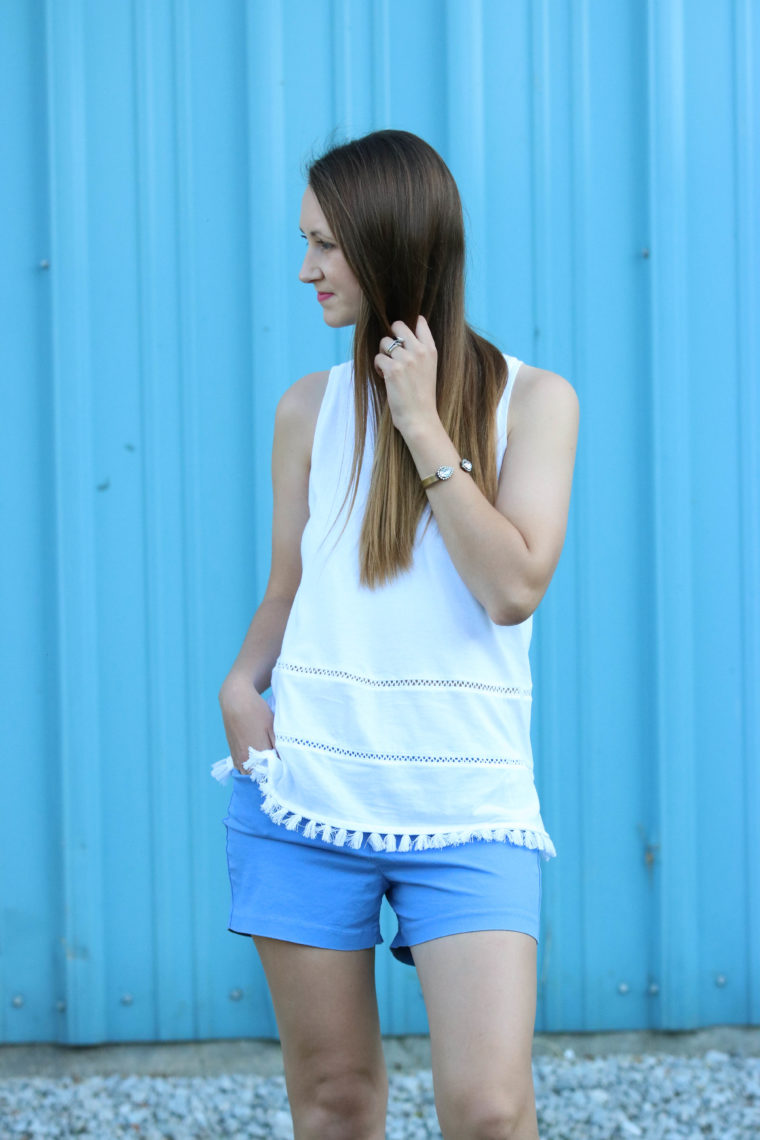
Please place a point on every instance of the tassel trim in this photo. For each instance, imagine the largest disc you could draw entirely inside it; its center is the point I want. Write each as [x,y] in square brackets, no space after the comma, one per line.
[257,764]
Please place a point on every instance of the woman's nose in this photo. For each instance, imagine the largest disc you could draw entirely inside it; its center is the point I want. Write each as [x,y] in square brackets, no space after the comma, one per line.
[309,271]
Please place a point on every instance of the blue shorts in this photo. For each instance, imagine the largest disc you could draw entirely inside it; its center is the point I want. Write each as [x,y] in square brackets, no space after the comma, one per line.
[311,892]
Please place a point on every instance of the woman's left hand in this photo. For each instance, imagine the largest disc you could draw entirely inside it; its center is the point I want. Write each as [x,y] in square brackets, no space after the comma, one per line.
[410,376]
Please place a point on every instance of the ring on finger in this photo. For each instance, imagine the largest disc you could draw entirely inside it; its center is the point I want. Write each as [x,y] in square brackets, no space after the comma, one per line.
[397,343]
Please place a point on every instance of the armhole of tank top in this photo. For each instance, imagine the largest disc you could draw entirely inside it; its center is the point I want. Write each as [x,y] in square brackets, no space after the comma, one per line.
[513,366]
[328,397]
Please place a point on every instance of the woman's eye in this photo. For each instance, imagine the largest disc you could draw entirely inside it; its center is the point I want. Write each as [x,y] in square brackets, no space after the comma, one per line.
[325,245]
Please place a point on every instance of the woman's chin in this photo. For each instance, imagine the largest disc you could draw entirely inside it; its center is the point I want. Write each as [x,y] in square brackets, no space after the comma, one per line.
[336,322]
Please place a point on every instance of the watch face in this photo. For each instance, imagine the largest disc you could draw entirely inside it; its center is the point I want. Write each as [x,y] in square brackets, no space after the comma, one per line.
[445,472]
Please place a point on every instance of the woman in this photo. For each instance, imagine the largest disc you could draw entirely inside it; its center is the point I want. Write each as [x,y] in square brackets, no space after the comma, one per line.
[393,756]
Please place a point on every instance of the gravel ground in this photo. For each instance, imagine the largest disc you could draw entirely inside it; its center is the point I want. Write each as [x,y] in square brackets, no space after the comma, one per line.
[654,1096]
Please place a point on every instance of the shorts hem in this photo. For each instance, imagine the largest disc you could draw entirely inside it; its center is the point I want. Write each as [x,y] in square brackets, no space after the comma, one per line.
[521,924]
[322,938]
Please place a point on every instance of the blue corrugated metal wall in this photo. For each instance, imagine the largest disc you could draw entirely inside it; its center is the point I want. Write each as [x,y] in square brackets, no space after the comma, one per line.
[151,152]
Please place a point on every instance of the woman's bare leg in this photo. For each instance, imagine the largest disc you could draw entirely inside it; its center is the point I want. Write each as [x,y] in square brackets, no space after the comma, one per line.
[480,995]
[326,1009]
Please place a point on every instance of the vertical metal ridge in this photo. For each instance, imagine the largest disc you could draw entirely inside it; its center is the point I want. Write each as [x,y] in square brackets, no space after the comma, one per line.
[671,454]
[80,762]
[167,371]
[381,71]
[352,37]
[343,87]
[268,204]
[465,133]
[580,176]
[747,208]
[567,908]
[546,730]
[143,125]
[338,69]
[30,841]
[191,612]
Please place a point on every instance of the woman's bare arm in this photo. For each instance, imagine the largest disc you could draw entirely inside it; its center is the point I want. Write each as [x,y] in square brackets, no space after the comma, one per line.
[295,419]
[507,553]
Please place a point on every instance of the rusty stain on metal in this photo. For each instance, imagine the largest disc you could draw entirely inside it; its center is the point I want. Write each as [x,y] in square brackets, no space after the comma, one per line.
[72,952]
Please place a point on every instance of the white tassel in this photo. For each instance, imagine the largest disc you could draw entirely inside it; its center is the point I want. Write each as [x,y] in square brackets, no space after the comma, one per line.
[390,843]
[438,840]
[356,840]
[405,843]
[261,755]
[421,843]
[376,842]
[269,804]
[222,768]
[500,834]
[257,764]
[292,822]
[279,815]
[310,831]
[327,833]
[340,837]
[530,840]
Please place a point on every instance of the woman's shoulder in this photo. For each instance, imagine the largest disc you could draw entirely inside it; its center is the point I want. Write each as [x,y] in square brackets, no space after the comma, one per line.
[297,412]
[540,392]
[302,400]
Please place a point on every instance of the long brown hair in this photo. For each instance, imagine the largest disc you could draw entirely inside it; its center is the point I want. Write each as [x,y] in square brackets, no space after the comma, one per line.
[394,209]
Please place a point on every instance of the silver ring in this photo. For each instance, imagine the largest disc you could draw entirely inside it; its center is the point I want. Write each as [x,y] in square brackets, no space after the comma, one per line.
[397,343]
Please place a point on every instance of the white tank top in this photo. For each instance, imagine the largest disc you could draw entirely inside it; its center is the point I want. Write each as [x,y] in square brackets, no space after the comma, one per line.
[401,713]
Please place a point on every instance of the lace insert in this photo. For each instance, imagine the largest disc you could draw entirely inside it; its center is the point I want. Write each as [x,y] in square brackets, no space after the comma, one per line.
[397,757]
[405,682]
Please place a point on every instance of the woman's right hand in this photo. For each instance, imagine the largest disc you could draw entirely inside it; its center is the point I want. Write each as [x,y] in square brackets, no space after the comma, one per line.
[248,719]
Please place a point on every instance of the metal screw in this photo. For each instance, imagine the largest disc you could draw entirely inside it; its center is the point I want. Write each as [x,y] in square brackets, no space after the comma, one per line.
[17,1001]
[623,988]
[236,995]
[60,1006]
[126,999]
[654,988]
[720,980]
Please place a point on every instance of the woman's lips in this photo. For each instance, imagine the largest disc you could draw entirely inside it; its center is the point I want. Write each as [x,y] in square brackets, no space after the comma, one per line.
[323,296]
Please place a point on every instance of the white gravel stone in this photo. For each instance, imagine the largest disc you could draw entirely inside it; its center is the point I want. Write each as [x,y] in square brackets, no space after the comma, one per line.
[617,1097]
